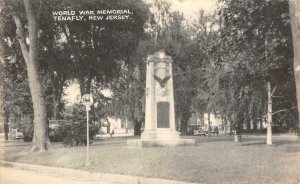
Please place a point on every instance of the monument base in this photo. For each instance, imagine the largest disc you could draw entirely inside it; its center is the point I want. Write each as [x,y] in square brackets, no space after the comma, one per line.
[162,133]
[160,138]
[161,142]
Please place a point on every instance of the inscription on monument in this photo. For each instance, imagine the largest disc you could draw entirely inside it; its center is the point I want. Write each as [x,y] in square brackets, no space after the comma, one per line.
[163,115]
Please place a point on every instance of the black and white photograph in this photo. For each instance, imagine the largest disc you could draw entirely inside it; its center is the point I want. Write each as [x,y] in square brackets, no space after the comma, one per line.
[149,91]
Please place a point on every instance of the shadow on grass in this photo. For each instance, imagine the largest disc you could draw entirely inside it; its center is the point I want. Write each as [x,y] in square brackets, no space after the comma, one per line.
[263,142]
[205,139]
[12,158]
[15,153]
[280,143]
[13,145]
[293,148]
[245,143]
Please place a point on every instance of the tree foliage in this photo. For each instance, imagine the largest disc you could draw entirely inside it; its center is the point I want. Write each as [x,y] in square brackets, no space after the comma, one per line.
[58,51]
[255,46]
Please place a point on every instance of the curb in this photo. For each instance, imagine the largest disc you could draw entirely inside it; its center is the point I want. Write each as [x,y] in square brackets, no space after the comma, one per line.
[89,176]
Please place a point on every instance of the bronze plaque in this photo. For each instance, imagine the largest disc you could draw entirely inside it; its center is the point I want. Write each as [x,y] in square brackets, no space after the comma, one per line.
[163,115]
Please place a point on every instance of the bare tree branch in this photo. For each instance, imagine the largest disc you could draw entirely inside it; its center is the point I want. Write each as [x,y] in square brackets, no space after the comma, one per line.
[283,110]
[2,56]
[274,89]
[1,60]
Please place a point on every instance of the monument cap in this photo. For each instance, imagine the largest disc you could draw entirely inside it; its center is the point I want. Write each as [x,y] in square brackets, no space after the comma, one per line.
[159,56]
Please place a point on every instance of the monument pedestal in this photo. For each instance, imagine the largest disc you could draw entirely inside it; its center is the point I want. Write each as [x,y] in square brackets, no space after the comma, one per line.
[160,138]
[159,108]
[160,134]
[160,142]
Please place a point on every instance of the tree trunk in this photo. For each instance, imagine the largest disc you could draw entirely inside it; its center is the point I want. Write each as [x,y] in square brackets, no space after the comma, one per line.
[260,121]
[240,120]
[85,85]
[229,128]
[178,124]
[3,118]
[137,127]
[295,23]
[269,114]
[57,89]
[6,125]
[82,86]
[40,138]
[108,128]
[254,122]
[184,125]
[208,128]
[54,107]
[2,121]
[56,101]
[237,137]
[247,121]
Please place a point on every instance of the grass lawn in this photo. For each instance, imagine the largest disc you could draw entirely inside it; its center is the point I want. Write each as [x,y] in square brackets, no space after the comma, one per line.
[215,159]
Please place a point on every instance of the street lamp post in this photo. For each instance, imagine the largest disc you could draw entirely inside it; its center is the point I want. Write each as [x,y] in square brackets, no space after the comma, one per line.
[87,100]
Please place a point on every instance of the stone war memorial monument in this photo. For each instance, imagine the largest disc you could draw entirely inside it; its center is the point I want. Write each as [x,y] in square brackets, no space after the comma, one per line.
[159,127]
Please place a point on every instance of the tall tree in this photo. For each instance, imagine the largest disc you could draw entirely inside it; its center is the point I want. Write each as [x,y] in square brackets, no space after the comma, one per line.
[98,47]
[30,53]
[256,45]
[295,23]
[128,98]
[52,57]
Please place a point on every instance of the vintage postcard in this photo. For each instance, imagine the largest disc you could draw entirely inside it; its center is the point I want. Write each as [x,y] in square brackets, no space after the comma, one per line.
[149,91]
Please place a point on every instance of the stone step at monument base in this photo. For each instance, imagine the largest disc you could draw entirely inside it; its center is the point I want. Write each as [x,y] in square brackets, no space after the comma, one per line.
[161,142]
[160,134]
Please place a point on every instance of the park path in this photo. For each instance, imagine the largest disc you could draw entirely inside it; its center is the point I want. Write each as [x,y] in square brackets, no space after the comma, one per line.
[20,173]
[16,176]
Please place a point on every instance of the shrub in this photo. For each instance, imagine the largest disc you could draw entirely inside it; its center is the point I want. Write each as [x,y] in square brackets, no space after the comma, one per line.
[27,130]
[56,134]
[75,133]
[74,130]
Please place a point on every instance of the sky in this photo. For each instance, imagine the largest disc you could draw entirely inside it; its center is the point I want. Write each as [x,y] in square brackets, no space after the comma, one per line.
[189,8]
[71,93]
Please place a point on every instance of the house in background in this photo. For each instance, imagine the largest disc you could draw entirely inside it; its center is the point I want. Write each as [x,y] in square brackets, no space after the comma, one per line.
[115,125]
[200,120]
